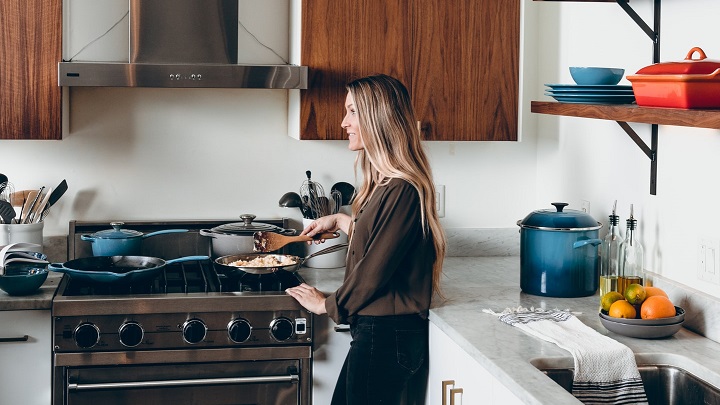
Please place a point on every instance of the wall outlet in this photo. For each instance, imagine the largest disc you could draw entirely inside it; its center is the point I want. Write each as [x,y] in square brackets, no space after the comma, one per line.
[707,259]
[585,206]
[440,200]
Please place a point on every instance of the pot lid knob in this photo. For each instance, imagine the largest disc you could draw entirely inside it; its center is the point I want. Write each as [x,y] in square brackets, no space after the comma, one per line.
[117,225]
[247,218]
[559,206]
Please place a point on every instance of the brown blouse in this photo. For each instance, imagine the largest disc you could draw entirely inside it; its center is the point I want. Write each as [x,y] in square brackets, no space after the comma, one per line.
[389,263]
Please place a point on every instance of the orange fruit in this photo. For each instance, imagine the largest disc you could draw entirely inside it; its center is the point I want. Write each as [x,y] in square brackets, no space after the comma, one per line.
[635,293]
[656,307]
[622,309]
[654,291]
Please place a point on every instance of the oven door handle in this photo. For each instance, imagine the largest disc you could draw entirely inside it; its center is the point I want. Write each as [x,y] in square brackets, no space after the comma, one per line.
[292,378]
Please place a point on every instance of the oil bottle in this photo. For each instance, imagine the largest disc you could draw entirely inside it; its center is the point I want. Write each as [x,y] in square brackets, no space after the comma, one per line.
[610,255]
[631,256]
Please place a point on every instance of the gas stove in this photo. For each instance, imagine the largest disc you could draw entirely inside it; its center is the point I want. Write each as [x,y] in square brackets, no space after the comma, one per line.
[188,315]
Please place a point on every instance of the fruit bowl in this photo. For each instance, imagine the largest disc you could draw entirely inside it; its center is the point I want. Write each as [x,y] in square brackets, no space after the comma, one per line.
[643,331]
[679,317]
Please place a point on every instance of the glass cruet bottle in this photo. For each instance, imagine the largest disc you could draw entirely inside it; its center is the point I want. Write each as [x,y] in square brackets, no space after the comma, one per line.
[609,255]
[631,256]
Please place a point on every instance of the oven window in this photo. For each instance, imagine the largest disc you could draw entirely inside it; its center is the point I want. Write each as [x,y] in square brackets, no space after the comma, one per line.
[232,383]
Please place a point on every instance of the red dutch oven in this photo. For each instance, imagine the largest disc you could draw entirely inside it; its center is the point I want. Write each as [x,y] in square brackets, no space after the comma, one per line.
[690,83]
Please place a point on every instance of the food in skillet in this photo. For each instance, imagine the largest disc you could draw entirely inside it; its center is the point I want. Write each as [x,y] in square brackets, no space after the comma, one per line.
[264,261]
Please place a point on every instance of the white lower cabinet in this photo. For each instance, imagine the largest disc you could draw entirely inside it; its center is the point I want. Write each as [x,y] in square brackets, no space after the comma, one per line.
[25,357]
[455,378]
[329,351]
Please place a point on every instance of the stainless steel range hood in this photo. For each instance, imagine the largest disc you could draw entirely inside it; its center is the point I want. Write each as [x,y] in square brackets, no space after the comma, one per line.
[183,44]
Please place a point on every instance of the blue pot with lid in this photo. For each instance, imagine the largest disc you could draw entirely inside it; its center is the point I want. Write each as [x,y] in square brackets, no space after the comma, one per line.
[559,253]
[119,241]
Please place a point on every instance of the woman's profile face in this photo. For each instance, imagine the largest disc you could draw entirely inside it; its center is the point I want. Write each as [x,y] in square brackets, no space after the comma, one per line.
[351,125]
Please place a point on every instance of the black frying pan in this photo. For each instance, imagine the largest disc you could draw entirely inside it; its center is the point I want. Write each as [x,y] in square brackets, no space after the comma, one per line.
[116,269]
[223,262]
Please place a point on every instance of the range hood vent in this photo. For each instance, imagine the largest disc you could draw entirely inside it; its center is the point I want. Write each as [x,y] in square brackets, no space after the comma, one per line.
[183,44]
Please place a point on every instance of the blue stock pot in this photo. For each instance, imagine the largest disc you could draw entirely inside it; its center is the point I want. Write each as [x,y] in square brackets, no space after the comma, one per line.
[559,253]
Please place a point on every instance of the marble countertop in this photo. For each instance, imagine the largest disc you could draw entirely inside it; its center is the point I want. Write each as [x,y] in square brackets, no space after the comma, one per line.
[471,284]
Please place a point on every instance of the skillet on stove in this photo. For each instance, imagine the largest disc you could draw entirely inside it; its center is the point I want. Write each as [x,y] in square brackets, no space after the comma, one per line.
[117,269]
[223,263]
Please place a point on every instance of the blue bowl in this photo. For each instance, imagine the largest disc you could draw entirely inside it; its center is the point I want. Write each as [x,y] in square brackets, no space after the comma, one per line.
[593,76]
[22,278]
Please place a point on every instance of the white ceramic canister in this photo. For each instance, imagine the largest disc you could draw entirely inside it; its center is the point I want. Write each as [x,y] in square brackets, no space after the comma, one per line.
[27,233]
[328,260]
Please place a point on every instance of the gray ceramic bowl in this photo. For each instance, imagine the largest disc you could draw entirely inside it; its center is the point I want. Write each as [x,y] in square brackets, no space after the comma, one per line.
[641,331]
[24,278]
[679,317]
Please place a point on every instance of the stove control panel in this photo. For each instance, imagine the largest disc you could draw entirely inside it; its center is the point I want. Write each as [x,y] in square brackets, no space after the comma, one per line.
[92,333]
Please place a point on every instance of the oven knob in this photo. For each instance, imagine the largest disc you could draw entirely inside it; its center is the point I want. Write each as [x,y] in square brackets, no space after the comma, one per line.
[239,330]
[194,331]
[131,334]
[281,329]
[86,335]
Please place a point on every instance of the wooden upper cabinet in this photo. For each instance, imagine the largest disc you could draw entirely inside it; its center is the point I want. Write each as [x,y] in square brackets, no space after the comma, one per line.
[459,59]
[343,40]
[30,49]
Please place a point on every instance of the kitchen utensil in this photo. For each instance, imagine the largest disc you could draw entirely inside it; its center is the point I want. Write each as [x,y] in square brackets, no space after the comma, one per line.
[31,196]
[33,204]
[36,214]
[347,191]
[691,83]
[3,182]
[23,278]
[7,212]
[679,317]
[116,269]
[271,241]
[18,198]
[237,237]
[290,199]
[311,192]
[559,253]
[336,198]
[54,197]
[121,242]
[596,75]
[223,263]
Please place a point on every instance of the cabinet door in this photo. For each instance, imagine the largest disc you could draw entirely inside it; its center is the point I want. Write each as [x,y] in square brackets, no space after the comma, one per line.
[330,347]
[342,40]
[30,98]
[465,72]
[25,365]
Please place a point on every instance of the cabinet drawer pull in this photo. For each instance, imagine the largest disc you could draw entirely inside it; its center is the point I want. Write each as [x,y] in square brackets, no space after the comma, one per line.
[14,339]
[453,392]
[445,385]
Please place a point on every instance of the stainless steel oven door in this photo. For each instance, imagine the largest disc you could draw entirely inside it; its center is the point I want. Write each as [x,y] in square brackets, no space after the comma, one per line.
[193,380]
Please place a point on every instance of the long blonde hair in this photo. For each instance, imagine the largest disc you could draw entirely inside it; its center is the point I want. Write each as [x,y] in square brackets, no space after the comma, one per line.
[393,149]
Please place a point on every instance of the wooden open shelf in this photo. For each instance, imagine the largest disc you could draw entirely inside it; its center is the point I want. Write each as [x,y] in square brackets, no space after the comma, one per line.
[631,113]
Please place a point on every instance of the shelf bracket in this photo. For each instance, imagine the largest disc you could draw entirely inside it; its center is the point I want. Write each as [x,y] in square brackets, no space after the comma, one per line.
[650,151]
[653,33]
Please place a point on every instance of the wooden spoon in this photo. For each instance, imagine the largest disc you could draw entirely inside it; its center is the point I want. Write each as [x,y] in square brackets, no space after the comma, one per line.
[271,241]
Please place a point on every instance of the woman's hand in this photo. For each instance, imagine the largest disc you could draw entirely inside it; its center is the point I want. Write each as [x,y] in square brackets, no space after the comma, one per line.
[328,223]
[309,297]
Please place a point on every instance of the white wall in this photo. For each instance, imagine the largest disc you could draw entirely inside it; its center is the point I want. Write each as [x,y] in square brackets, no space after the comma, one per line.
[593,160]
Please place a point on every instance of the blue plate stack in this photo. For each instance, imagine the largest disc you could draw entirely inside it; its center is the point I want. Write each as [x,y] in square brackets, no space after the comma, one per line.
[591,94]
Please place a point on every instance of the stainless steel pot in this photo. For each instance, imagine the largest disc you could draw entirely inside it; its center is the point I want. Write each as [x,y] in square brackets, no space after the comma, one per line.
[237,237]
[559,253]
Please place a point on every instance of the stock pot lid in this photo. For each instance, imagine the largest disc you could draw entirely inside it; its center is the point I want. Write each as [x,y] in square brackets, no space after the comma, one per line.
[246,227]
[117,232]
[559,219]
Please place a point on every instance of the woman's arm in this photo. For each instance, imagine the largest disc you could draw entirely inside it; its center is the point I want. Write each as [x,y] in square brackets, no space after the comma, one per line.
[328,223]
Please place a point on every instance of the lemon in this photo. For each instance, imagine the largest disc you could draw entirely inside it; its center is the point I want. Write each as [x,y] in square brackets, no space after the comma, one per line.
[635,294]
[608,298]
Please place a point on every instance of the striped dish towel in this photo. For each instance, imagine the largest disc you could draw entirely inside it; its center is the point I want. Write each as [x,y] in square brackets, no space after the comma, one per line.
[605,370]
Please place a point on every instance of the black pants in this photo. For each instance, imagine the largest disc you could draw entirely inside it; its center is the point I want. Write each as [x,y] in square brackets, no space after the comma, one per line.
[384,353]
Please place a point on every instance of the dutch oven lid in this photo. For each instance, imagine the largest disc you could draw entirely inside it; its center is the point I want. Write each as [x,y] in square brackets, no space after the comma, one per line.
[117,232]
[700,66]
[559,219]
[246,227]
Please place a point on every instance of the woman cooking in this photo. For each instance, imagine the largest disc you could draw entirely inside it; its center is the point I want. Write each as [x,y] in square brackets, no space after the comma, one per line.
[396,247]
